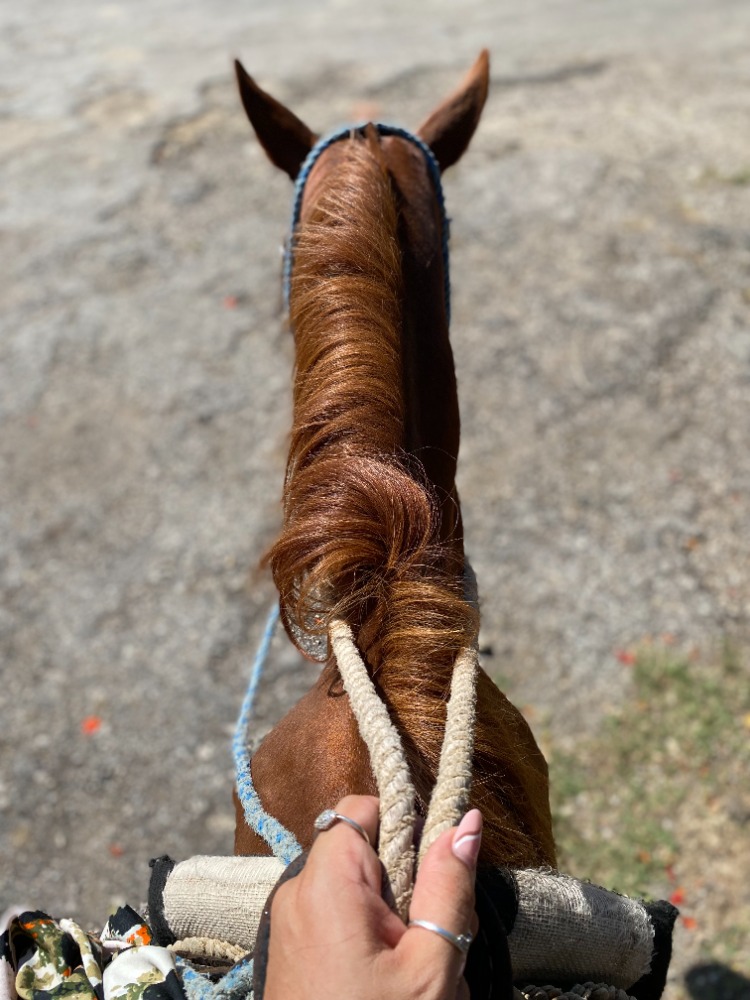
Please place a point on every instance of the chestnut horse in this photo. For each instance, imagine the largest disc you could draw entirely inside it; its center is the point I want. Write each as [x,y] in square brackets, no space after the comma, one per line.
[372,529]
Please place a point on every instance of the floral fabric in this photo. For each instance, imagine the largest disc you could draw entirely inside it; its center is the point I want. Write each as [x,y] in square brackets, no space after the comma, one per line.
[46,959]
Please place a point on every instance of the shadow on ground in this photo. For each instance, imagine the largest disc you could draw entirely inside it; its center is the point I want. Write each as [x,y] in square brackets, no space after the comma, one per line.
[713,981]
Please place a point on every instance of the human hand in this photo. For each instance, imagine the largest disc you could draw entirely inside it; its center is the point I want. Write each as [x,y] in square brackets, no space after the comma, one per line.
[333,935]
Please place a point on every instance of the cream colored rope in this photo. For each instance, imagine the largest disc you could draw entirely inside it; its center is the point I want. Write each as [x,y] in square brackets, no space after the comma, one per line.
[398,814]
[208,948]
[397,796]
[450,796]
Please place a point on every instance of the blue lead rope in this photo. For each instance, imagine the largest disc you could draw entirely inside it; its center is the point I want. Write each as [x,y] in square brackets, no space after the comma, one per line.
[282,842]
[237,984]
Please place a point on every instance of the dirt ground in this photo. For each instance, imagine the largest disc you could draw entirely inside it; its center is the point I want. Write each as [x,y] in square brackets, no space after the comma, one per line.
[601,328]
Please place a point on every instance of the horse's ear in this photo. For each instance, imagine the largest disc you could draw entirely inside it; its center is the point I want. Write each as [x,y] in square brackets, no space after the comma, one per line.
[451,125]
[286,139]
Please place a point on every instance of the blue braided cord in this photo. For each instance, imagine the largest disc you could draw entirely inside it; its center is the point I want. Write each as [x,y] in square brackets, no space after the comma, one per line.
[237,984]
[282,842]
[197,986]
[238,979]
[259,663]
[310,160]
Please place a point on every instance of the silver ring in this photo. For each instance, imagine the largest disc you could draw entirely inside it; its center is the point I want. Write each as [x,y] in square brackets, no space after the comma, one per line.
[460,941]
[329,816]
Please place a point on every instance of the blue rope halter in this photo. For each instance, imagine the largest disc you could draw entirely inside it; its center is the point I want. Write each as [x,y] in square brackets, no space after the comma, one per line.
[349,132]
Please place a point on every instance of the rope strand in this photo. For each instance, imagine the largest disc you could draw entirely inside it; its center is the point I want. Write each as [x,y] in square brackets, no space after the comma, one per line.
[208,948]
[282,842]
[450,796]
[398,815]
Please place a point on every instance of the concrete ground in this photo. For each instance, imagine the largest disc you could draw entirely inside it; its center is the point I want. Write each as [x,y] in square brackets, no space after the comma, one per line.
[601,283]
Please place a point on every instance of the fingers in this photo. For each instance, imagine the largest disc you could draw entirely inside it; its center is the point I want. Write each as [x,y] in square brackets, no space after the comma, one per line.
[337,897]
[363,810]
[444,895]
[341,849]
[334,908]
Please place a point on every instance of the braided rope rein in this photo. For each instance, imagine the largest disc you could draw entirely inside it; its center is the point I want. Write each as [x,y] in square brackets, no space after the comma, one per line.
[398,815]
[450,796]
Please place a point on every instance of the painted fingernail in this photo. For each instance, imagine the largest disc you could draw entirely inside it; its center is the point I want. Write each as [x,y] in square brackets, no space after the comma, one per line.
[468,838]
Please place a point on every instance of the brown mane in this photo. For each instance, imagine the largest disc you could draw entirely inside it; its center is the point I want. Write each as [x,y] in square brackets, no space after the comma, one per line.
[362,536]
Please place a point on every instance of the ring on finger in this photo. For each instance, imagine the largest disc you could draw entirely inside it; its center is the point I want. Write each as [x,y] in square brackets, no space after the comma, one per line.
[460,941]
[329,816]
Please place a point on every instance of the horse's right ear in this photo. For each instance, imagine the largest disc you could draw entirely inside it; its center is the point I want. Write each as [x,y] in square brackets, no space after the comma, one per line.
[286,139]
[451,125]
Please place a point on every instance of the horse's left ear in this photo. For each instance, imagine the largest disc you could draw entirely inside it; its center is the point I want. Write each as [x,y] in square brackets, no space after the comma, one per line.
[451,125]
[285,138]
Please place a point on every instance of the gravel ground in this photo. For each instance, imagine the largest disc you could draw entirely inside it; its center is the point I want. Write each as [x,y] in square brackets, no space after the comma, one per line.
[601,272]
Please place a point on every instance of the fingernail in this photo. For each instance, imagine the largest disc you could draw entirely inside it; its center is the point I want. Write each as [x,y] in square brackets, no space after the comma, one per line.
[468,838]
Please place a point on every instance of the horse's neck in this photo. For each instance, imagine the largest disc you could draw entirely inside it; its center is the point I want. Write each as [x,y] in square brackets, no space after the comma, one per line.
[432,425]
[370,501]
[315,756]
[372,463]
[433,422]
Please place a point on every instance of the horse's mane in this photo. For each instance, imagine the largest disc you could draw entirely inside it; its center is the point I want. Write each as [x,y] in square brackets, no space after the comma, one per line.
[361,533]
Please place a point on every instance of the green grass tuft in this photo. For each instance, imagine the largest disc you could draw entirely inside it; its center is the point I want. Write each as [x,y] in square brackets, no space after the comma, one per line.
[618,800]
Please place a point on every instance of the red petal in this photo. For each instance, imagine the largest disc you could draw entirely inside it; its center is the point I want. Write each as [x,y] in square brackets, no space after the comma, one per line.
[90,725]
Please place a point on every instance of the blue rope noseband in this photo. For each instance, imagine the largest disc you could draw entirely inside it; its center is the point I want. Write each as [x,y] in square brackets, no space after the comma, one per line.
[349,132]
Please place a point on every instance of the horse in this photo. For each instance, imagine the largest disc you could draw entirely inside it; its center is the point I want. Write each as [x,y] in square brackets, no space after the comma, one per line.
[372,531]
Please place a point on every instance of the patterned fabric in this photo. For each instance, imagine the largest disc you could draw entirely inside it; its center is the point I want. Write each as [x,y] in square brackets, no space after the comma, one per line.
[46,959]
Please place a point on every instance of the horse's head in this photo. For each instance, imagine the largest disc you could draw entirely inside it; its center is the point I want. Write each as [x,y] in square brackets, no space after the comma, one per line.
[429,424]
[372,530]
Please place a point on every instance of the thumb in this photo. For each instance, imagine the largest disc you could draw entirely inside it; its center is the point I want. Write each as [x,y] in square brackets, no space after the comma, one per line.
[444,895]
